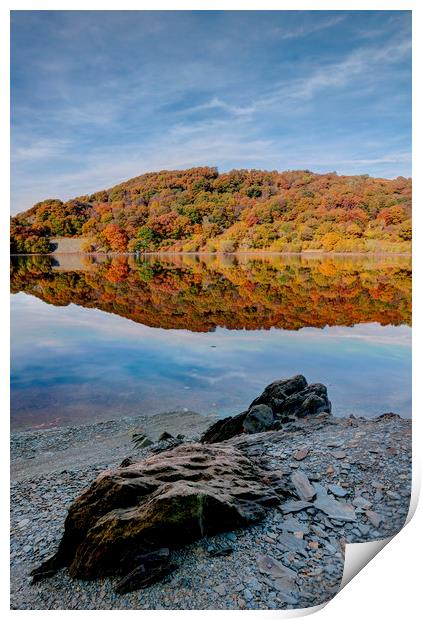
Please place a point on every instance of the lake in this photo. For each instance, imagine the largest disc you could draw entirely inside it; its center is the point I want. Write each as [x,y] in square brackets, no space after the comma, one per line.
[100,338]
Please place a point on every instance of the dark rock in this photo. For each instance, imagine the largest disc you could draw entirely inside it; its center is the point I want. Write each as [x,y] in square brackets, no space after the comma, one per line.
[224,429]
[277,392]
[141,440]
[129,460]
[310,401]
[151,567]
[220,549]
[288,399]
[258,419]
[166,444]
[388,416]
[164,436]
[168,499]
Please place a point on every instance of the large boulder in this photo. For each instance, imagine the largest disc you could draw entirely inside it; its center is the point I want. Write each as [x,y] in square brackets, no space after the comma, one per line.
[164,501]
[281,402]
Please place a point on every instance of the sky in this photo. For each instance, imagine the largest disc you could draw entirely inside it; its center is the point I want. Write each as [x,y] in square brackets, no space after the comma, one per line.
[101,96]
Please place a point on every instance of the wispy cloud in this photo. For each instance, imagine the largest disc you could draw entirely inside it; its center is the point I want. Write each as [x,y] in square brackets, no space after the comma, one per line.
[98,99]
[361,62]
[38,149]
[307,29]
[216,103]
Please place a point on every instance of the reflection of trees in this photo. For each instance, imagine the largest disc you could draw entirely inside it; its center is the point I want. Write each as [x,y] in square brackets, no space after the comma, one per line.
[202,292]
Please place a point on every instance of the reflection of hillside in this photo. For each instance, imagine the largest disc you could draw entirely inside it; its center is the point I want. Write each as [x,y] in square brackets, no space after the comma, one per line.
[244,292]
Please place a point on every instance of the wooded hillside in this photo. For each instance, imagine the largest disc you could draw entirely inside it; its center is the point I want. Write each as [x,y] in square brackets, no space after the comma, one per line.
[201,210]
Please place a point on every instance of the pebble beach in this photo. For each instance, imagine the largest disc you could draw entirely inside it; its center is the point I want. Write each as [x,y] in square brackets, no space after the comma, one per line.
[357,466]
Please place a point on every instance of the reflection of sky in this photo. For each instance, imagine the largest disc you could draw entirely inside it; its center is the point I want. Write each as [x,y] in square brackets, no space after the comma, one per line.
[72,365]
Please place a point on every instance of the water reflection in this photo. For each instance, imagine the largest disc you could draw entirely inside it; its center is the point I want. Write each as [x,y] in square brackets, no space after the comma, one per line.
[260,319]
[201,293]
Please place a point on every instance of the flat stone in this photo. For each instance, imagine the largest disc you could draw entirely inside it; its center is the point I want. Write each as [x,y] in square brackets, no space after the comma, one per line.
[303,487]
[247,594]
[295,506]
[330,548]
[337,490]
[364,529]
[275,569]
[334,509]
[361,502]
[285,592]
[334,443]
[373,517]
[318,531]
[339,454]
[292,543]
[393,495]
[23,523]
[301,454]
[220,589]
[291,525]
[320,490]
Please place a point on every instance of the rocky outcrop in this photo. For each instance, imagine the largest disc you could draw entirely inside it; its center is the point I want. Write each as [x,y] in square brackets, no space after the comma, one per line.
[281,402]
[162,502]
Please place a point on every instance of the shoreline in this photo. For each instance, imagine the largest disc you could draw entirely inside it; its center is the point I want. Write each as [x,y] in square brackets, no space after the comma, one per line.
[308,253]
[368,458]
[48,449]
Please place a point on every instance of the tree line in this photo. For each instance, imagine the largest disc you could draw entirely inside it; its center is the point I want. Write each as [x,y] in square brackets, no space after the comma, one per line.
[201,210]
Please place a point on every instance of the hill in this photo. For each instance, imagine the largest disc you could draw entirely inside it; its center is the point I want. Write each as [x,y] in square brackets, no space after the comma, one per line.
[201,210]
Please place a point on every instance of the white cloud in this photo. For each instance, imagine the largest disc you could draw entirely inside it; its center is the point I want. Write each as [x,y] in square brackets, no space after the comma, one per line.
[36,149]
[216,103]
[307,29]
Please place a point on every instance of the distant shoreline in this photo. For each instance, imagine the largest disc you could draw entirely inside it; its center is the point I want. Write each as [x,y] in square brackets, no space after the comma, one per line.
[311,253]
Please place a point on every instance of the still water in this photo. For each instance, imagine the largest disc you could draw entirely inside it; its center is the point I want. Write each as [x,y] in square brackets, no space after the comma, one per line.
[96,339]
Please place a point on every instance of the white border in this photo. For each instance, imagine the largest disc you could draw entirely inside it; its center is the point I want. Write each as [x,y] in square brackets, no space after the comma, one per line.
[389,585]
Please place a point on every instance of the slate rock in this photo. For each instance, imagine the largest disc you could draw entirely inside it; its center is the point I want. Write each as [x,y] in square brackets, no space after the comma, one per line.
[292,543]
[141,440]
[165,500]
[303,487]
[334,509]
[295,506]
[339,454]
[301,454]
[275,569]
[337,490]
[374,518]
[361,502]
[293,525]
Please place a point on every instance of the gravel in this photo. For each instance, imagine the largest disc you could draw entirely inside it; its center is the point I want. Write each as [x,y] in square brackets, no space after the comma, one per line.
[51,467]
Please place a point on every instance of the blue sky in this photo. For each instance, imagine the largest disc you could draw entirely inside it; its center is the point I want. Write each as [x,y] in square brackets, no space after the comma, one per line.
[101,96]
